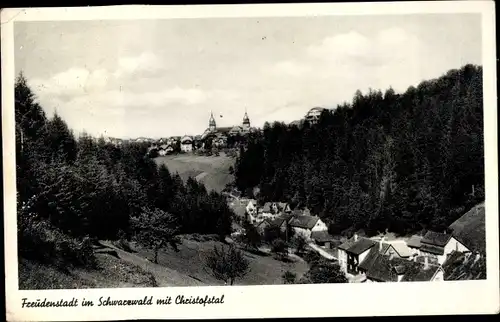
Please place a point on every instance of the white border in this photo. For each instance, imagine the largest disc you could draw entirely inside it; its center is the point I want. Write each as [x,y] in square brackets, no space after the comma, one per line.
[373,299]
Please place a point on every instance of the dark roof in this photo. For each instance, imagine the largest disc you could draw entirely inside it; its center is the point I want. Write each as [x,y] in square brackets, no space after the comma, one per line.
[347,244]
[321,236]
[382,269]
[367,263]
[306,222]
[417,273]
[433,249]
[265,222]
[436,239]
[414,241]
[361,245]
[470,229]
[224,129]
[385,269]
[372,255]
[278,222]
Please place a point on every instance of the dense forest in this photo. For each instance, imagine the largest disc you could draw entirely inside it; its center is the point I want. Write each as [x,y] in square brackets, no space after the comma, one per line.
[72,190]
[387,161]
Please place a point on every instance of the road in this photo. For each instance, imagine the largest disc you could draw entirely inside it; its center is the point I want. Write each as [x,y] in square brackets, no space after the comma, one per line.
[321,251]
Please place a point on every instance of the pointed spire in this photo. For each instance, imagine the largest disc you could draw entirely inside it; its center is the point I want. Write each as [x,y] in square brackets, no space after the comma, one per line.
[246,119]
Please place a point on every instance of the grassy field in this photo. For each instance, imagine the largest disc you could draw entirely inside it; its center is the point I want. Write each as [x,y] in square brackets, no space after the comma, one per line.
[212,171]
[190,260]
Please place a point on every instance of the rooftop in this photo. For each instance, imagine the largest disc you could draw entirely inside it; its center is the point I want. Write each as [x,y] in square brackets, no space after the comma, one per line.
[304,221]
[470,229]
[361,245]
[401,248]
[415,241]
[435,238]
[433,249]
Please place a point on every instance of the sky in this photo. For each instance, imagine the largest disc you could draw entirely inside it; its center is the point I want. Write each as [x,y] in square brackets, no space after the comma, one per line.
[158,78]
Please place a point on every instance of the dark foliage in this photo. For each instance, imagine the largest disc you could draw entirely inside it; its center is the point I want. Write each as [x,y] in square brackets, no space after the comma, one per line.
[89,187]
[403,162]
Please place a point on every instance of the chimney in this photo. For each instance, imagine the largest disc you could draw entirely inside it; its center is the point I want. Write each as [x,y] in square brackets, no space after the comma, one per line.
[380,244]
[355,237]
[426,262]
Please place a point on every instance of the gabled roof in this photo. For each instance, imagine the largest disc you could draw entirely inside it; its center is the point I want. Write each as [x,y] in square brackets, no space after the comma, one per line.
[307,222]
[414,241]
[436,239]
[278,222]
[267,207]
[470,229]
[401,248]
[361,245]
[321,236]
[265,222]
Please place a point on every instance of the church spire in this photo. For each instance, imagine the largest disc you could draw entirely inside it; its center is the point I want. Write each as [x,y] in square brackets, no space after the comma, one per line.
[246,120]
[211,123]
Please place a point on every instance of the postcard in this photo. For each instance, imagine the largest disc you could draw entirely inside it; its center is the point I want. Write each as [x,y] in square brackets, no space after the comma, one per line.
[247,161]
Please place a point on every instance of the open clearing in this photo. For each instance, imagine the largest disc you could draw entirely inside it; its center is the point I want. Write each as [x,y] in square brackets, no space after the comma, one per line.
[190,260]
[183,268]
[212,171]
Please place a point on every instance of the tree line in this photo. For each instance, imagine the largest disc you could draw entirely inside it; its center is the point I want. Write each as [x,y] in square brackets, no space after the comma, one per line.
[85,187]
[386,161]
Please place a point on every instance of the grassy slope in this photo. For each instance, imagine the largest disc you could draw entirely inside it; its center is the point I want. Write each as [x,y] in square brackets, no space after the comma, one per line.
[112,273]
[190,260]
[183,268]
[212,171]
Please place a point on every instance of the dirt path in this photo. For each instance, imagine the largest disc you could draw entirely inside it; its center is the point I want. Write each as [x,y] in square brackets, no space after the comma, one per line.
[164,276]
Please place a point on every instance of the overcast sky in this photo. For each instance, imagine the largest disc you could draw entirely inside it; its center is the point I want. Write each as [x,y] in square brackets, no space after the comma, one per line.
[157,78]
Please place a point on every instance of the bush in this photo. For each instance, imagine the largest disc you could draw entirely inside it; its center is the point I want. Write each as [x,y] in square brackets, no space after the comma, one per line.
[40,241]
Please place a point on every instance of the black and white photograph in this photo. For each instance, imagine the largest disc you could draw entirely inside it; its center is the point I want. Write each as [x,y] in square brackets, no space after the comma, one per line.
[232,151]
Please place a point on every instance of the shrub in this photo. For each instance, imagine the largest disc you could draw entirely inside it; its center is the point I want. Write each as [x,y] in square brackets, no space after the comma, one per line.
[40,241]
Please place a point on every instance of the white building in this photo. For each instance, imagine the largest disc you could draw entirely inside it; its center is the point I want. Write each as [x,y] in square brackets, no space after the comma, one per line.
[187,144]
[440,245]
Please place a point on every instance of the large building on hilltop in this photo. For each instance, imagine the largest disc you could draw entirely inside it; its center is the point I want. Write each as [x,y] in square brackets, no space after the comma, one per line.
[220,134]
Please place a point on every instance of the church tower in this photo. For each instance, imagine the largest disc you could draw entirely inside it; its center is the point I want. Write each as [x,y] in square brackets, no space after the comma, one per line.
[246,122]
[211,123]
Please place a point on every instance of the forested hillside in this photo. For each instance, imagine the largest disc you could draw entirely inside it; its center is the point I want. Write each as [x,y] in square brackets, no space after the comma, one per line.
[402,162]
[70,188]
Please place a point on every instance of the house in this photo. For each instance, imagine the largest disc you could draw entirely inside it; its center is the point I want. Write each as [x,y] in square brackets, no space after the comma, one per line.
[263,225]
[353,252]
[284,207]
[440,245]
[162,152]
[469,229]
[251,207]
[269,208]
[389,268]
[187,144]
[314,114]
[400,249]
[281,223]
[305,225]
[322,238]
[414,244]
